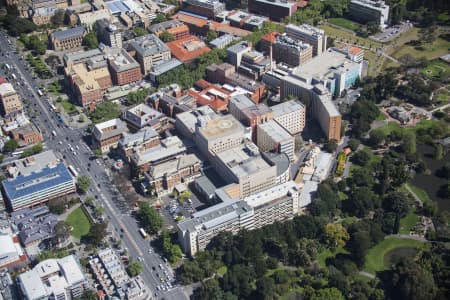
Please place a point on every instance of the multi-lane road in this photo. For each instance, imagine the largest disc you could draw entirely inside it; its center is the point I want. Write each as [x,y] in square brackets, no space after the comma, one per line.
[120,220]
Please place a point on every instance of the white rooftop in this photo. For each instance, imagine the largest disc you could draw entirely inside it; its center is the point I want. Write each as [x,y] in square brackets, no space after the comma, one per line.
[6,88]
[271,194]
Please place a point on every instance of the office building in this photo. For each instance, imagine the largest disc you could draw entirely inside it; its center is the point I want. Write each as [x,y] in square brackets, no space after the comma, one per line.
[53,278]
[365,11]
[235,52]
[169,149]
[308,34]
[106,135]
[123,68]
[237,104]
[30,164]
[283,164]
[187,122]
[10,99]
[274,9]
[290,115]
[108,33]
[188,48]
[244,166]
[353,53]
[162,68]
[68,39]
[207,8]
[277,204]
[291,51]
[272,137]
[11,252]
[222,41]
[38,187]
[138,142]
[7,286]
[88,19]
[254,64]
[254,115]
[242,19]
[267,41]
[142,116]
[219,134]
[174,27]
[150,51]
[163,178]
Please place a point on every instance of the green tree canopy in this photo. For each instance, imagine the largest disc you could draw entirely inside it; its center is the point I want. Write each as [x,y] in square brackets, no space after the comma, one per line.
[83,182]
[10,145]
[166,36]
[139,31]
[90,40]
[134,268]
[149,218]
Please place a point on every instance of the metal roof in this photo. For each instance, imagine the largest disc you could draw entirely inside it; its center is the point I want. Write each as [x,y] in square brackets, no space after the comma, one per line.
[69,33]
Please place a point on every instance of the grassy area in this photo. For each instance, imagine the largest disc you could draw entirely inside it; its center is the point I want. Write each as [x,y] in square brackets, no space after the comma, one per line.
[39,67]
[389,127]
[422,194]
[436,69]
[381,117]
[79,223]
[408,223]
[69,108]
[347,37]
[55,87]
[222,270]
[438,48]
[344,23]
[375,257]
[442,96]
[325,254]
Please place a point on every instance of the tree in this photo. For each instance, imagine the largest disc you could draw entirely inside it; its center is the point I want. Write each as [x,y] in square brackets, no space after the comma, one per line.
[89,200]
[90,40]
[330,146]
[96,233]
[149,218]
[327,294]
[139,31]
[335,235]
[377,137]
[409,143]
[10,146]
[397,202]
[211,35]
[57,206]
[166,36]
[428,35]
[362,201]
[361,157]
[58,17]
[354,144]
[88,295]
[134,268]
[411,281]
[358,245]
[98,152]
[265,288]
[444,171]
[184,196]
[17,25]
[159,18]
[83,183]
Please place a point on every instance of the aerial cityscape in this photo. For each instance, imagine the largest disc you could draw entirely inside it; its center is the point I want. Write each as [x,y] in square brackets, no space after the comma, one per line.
[221,150]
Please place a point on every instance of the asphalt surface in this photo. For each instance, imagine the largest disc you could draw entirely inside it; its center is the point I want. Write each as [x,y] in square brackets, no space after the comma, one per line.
[119,217]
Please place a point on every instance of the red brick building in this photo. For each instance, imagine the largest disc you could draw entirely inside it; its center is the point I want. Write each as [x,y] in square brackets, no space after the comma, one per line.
[124,69]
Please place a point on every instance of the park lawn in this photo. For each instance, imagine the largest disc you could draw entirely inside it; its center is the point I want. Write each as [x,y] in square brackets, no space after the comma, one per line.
[344,23]
[347,37]
[375,256]
[381,117]
[422,194]
[79,222]
[326,253]
[442,96]
[389,127]
[436,69]
[438,48]
[408,222]
[221,271]
[68,107]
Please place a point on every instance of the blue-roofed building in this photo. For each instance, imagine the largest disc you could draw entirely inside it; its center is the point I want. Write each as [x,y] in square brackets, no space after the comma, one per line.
[38,187]
[68,39]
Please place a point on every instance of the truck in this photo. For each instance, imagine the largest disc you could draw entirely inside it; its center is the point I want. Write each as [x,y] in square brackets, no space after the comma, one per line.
[73,171]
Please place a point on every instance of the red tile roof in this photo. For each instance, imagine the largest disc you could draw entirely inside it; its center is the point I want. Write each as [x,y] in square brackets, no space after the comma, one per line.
[270,37]
[188,48]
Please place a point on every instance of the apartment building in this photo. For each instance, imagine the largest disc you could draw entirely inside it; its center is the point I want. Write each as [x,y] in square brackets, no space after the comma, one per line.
[68,39]
[10,99]
[142,116]
[279,203]
[163,178]
[244,166]
[308,34]
[290,115]
[272,137]
[274,9]
[150,51]
[60,278]
[207,8]
[123,68]
[106,135]
[188,48]
[370,11]
[291,51]
[140,141]
[38,187]
[108,33]
[174,27]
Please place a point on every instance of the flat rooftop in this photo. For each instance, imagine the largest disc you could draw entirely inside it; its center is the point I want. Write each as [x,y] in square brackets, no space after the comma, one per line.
[221,126]
[306,29]
[286,108]
[6,89]
[148,44]
[277,133]
[34,163]
[277,192]
[120,60]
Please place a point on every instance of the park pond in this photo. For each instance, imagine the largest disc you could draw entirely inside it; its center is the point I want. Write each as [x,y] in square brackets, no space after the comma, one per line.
[430,182]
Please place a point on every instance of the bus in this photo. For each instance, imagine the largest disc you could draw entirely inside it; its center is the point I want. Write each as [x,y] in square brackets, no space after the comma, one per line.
[143,233]
[40,93]
[72,170]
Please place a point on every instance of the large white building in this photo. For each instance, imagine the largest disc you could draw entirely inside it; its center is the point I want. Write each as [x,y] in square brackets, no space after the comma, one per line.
[60,279]
[290,115]
[150,51]
[272,137]
[370,11]
[278,203]
[309,34]
[10,250]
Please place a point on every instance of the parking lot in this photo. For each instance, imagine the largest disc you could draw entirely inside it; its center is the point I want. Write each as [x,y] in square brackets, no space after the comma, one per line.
[391,32]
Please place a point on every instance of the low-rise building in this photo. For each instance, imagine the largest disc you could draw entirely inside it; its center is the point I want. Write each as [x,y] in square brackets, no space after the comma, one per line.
[164,177]
[207,8]
[10,99]
[150,51]
[88,19]
[30,164]
[142,116]
[276,10]
[68,39]
[235,52]
[11,252]
[60,278]
[254,64]
[123,68]
[290,51]
[188,48]
[38,187]
[206,93]
[162,68]
[273,137]
[106,135]
[27,135]
[186,123]
[172,105]
[242,19]
[137,142]
[222,41]
[174,27]
[290,115]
